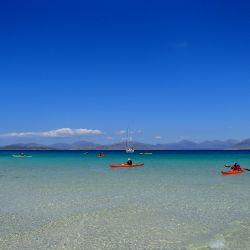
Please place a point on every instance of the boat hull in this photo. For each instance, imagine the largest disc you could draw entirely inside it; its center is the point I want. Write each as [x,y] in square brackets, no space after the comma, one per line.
[22,156]
[232,172]
[130,150]
[127,166]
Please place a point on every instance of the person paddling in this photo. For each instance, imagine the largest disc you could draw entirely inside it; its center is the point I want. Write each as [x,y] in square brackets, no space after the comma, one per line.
[235,169]
[236,166]
[129,162]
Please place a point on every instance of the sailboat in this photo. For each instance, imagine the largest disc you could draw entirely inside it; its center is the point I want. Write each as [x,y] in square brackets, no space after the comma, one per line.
[129,147]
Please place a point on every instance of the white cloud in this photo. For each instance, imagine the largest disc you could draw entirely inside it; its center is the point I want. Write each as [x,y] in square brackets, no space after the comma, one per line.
[122,132]
[62,132]
[158,137]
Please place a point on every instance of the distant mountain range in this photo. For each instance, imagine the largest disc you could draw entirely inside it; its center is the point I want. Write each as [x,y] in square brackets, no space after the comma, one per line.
[181,145]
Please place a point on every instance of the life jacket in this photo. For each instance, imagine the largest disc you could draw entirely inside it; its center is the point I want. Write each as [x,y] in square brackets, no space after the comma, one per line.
[237,167]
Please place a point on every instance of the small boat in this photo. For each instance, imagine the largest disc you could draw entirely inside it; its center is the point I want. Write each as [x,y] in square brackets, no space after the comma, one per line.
[231,172]
[146,153]
[22,156]
[101,155]
[130,150]
[127,165]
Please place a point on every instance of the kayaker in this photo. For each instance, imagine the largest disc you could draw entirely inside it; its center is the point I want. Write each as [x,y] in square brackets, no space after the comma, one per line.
[236,166]
[129,162]
[101,154]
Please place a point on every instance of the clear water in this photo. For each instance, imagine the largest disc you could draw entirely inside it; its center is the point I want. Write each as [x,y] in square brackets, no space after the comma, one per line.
[178,200]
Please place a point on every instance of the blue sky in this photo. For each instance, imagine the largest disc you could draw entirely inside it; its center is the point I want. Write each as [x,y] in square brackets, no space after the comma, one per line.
[169,70]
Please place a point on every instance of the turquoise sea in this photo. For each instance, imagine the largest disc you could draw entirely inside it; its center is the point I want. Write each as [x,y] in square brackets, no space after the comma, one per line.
[72,200]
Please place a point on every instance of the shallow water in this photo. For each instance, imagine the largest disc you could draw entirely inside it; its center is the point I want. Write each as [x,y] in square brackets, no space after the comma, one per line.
[178,200]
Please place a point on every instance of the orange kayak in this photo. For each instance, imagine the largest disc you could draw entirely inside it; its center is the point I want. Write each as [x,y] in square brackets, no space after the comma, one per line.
[230,172]
[126,165]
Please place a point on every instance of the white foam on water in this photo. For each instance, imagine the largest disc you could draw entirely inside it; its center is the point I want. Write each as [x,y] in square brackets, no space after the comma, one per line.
[218,244]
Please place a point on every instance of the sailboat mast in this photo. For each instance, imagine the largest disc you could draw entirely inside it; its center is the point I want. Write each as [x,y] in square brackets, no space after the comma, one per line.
[129,148]
[127,143]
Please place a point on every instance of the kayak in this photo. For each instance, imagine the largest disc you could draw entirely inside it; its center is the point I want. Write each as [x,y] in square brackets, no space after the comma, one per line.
[230,172]
[127,166]
[146,153]
[22,156]
[101,155]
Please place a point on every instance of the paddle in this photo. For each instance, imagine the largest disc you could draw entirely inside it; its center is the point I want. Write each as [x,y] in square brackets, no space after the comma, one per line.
[227,166]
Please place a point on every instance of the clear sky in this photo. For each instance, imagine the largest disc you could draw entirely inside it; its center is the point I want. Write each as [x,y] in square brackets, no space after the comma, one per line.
[169,70]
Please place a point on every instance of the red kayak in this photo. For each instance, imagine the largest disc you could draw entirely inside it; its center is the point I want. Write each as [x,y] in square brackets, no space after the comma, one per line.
[126,165]
[233,172]
[101,155]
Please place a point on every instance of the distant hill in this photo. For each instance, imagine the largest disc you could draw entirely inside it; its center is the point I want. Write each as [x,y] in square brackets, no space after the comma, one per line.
[83,145]
[216,144]
[181,145]
[245,144]
[61,146]
[206,145]
[121,146]
[28,146]
[76,145]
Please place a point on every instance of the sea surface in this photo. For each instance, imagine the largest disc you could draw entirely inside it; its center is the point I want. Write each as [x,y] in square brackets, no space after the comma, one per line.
[71,200]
